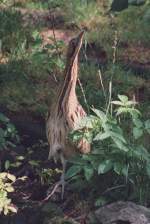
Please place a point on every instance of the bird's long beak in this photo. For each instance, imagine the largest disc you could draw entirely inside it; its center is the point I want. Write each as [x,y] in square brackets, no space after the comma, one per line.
[80,38]
[79,43]
[81,35]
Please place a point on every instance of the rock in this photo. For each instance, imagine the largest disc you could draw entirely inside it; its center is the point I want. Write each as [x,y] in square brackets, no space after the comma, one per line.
[59,220]
[121,213]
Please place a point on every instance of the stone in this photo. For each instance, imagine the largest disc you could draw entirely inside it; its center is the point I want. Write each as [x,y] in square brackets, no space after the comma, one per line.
[121,213]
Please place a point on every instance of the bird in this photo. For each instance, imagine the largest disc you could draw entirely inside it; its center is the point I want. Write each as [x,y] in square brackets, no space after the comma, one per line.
[66,113]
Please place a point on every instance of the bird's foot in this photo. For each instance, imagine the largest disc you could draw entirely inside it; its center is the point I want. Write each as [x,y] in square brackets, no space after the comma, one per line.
[55,188]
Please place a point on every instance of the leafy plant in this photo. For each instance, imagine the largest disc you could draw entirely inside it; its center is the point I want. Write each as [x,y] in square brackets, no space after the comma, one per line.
[8,133]
[117,146]
[6,181]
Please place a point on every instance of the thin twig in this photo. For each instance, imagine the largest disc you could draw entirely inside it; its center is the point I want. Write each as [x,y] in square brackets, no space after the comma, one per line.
[83,93]
[112,188]
[101,81]
[110,95]
[53,30]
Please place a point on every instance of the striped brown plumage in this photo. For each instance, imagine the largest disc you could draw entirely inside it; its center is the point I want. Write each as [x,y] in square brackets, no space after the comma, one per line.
[66,112]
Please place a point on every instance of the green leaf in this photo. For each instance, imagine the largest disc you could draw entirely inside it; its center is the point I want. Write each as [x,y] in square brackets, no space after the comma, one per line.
[147,125]
[7,164]
[120,144]
[137,132]
[105,166]
[72,171]
[123,98]
[138,123]
[100,114]
[20,158]
[141,152]
[116,102]
[121,110]
[118,167]
[125,171]
[117,135]
[88,172]
[85,122]
[3,118]
[16,164]
[34,163]
[101,136]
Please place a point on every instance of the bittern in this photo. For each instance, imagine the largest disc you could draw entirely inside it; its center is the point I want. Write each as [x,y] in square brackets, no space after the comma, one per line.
[67,112]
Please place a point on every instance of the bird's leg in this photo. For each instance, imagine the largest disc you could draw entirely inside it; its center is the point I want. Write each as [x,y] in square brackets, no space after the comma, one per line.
[62,179]
[61,182]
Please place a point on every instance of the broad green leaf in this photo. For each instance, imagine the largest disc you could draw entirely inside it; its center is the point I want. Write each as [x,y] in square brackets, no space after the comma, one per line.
[101,136]
[138,123]
[105,166]
[120,144]
[123,98]
[130,103]
[137,132]
[88,172]
[85,122]
[117,103]
[121,110]
[73,170]
[117,135]
[134,112]
[100,114]
[141,152]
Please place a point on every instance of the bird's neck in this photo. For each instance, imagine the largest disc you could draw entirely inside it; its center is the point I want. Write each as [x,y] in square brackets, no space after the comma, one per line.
[69,86]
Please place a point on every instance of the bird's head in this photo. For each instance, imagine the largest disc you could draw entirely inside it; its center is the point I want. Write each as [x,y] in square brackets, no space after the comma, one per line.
[74,46]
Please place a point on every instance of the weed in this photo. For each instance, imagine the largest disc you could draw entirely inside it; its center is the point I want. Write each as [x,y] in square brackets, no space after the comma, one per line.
[116,147]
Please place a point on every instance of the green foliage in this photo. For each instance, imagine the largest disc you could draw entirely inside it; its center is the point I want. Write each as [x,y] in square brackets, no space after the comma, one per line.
[8,133]
[83,13]
[117,147]
[13,35]
[6,181]
[134,29]
[28,63]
